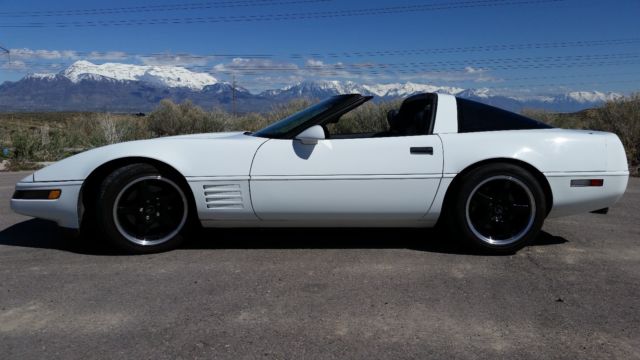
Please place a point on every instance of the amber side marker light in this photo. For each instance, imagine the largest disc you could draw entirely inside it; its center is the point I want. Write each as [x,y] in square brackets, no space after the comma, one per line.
[54,194]
[587,182]
[37,194]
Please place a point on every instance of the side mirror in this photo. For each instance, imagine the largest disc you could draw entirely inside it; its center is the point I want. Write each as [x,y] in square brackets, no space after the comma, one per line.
[311,135]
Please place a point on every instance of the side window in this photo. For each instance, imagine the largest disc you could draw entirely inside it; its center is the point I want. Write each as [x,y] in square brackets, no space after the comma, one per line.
[474,117]
[368,120]
[414,116]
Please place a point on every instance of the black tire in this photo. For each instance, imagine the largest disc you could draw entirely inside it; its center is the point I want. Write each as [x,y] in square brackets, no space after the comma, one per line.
[142,210]
[499,208]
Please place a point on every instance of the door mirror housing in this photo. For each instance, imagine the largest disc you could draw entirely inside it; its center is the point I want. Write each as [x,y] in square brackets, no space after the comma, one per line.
[311,135]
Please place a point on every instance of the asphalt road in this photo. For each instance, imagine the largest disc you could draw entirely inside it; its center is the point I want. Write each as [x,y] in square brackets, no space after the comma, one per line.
[352,294]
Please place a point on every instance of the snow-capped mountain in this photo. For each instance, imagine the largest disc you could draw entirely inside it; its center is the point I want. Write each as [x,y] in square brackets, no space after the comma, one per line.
[408,88]
[124,87]
[41,76]
[572,101]
[161,76]
[319,89]
[583,97]
[315,89]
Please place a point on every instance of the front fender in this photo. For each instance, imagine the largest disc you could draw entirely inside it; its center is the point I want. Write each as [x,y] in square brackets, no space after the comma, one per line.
[192,156]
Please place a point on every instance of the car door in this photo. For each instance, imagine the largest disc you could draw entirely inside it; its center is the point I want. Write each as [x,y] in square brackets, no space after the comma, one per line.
[346,180]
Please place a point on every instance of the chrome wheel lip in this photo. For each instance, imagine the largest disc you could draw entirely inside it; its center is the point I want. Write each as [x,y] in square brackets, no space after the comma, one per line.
[144,242]
[519,235]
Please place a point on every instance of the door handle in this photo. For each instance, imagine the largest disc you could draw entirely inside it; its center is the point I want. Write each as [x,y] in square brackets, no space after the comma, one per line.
[427,150]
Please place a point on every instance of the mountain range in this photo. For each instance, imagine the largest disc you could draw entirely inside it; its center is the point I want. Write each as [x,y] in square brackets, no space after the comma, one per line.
[85,86]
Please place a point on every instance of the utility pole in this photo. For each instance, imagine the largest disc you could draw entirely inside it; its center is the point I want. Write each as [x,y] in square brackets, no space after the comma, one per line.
[6,51]
[233,95]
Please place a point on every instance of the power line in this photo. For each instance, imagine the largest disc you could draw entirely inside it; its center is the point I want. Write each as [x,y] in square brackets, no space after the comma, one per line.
[418,68]
[467,62]
[434,71]
[156,8]
[454,66]
[568,84]
[553,84]
[285,16]
[630,77]
[391,71]
[121,55]
[470,49]
[545,62]
[590,75]
[187,58]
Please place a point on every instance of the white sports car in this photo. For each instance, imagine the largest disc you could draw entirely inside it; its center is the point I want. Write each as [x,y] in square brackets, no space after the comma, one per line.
[492,175]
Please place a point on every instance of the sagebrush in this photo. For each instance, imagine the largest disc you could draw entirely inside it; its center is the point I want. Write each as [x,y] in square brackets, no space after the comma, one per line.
[42,137]
[621,117]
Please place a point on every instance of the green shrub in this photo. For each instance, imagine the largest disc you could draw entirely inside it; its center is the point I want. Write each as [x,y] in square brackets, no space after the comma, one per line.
[53,136]
[186,118]
[25,145]
[621,117]
[368,118]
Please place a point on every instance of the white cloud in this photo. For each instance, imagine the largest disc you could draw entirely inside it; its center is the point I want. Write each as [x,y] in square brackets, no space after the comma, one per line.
[174,60]
[260,73]
[67,54]
[467,74]
[320,68]
[313,62]
[472,70]
[262,66]
[107,56]
[267,82]
[43,54]
[14,65]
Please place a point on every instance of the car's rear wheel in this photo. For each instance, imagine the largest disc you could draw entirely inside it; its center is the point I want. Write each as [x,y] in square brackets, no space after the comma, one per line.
[500,208]
[142,210]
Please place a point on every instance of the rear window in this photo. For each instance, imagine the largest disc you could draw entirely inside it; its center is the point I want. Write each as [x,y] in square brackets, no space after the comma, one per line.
[474,116]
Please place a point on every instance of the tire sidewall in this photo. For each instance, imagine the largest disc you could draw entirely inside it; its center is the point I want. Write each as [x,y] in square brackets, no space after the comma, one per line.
[469,183]
[108,194]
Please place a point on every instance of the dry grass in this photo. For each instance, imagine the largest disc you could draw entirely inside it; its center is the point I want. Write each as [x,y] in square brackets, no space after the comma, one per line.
[38,137]
[621,117]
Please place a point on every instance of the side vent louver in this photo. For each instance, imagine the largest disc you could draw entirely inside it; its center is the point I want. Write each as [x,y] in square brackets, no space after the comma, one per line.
[223,196]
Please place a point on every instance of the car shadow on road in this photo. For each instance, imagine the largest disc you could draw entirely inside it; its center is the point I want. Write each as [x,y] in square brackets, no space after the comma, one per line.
[46,235]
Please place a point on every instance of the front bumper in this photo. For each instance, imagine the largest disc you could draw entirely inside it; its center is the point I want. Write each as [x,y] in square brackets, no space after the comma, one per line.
[64,210]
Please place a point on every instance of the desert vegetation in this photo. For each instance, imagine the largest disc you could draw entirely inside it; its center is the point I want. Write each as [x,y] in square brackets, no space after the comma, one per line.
[621,117]
[30,138]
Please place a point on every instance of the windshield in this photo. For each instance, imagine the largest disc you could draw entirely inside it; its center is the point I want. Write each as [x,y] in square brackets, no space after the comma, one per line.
[280,128]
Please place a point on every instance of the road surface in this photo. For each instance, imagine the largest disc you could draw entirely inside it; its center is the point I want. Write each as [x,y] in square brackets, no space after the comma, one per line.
[356,294]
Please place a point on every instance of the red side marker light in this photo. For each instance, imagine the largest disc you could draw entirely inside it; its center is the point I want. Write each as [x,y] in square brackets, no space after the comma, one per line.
[587,182]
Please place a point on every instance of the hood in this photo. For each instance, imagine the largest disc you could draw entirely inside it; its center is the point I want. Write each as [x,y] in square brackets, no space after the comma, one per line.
[218,135]
[213,154]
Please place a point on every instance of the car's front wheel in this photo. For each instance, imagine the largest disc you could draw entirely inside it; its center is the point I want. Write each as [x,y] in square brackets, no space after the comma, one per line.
[142,210]
[499,208]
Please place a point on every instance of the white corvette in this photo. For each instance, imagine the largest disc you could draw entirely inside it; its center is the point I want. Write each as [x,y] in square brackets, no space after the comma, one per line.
[492,175]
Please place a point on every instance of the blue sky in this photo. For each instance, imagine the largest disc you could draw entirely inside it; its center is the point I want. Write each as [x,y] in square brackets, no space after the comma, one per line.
[587,45]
